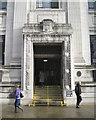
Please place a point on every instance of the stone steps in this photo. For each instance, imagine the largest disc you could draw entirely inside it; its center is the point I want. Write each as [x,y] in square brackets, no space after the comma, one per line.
[47,95]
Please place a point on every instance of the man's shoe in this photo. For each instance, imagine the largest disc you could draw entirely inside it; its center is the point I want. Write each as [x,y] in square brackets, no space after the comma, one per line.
[15,110]
[77,106]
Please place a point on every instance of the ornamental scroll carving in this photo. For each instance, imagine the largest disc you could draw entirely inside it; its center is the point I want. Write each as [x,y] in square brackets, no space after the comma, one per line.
[67,62]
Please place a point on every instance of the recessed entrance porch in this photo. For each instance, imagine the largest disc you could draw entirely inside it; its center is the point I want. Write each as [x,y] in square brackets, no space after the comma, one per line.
[47,70]
[48,63]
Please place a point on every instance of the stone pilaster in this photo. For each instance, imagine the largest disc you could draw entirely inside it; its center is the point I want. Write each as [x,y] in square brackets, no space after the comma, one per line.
[19,20]
[24,68]
[66,63]
[9,33]
[74,12]
[28,72]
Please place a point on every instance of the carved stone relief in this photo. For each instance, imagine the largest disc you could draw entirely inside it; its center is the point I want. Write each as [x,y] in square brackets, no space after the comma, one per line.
[47,26]
[67,62]
[28,61]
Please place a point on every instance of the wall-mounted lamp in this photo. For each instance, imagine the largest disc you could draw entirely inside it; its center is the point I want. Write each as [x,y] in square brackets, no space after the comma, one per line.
[45,60]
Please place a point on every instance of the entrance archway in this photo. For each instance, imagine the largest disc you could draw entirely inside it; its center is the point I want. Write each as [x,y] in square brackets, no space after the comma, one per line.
[52,44]
[47,60]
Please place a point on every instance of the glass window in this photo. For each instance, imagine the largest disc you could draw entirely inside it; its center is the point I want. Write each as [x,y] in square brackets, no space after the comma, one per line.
[93,48]
[3,5]
[47,4]
[2,49]
[0,76]
[92,5]
[94,75]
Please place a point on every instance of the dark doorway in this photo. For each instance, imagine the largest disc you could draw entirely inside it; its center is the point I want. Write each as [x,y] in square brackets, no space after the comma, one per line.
[48,61]
[51,70]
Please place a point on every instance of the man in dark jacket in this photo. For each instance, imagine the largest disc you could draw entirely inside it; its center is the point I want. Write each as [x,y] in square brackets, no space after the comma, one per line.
[78,93]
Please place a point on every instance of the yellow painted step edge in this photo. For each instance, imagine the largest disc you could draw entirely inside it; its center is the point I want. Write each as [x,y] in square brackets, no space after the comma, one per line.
[49,104]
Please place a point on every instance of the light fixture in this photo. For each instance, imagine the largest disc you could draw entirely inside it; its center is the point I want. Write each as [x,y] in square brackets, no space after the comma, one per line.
[45,60]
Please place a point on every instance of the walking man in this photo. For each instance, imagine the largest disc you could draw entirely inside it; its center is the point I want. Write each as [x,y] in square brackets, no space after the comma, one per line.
[17,93]
[78,94]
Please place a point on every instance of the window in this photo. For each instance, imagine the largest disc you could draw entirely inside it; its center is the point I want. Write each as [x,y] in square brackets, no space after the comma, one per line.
[47,4]
[3,5]
[94,75]
[93,54]
[92,5]
[93,48]
[0,76]
[2,49]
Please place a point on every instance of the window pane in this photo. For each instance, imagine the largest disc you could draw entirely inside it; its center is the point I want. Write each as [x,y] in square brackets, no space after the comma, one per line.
[3,5]
[0,53]
[93,49]
[94,75]
[2,49]
[0,76]
[47,4]
[54,4]
[39,4]
[92,5]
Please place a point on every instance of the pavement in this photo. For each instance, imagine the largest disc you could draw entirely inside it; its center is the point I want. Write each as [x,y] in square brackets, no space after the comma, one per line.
[85,111]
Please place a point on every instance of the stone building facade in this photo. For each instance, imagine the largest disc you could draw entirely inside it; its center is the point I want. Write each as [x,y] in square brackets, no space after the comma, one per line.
[34,30]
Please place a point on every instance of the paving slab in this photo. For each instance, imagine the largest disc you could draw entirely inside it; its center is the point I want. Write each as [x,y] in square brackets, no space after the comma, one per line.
[85,111]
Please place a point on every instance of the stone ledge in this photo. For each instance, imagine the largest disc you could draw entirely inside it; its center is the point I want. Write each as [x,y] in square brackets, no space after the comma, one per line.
[88,84]
[9,84]
[10,67]
[86,67]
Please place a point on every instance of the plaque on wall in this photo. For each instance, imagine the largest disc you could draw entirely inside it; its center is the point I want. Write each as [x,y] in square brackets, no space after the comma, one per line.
[69,93]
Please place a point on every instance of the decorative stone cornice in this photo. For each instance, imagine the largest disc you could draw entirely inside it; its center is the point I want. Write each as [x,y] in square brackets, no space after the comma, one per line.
[92,11]
[45,38]
[47,27]
[92,29]
[3,29]
[86,67]
[3,12]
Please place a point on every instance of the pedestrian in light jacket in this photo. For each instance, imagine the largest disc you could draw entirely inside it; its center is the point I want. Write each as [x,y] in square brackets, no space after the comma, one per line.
[17,94]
